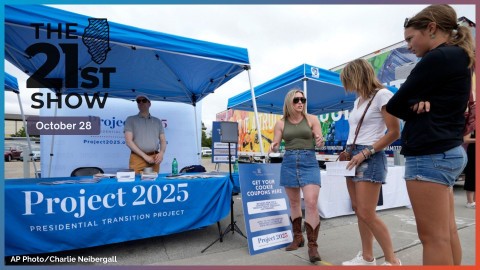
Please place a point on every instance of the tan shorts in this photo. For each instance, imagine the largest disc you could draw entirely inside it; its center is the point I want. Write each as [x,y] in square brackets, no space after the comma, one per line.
[137,163]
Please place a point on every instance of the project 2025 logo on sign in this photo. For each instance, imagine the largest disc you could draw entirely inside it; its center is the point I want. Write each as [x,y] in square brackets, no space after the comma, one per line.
[95,38]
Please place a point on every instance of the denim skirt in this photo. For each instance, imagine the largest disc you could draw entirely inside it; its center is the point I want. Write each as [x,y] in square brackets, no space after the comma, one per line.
[443,168]
[373,169]
[299,168]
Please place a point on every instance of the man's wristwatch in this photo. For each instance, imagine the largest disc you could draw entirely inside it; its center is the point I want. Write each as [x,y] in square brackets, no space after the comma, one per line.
[371,150]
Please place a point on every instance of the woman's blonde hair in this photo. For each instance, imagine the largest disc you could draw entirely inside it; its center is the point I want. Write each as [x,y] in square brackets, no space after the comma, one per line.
[288,104]
[445,18]
[358,75]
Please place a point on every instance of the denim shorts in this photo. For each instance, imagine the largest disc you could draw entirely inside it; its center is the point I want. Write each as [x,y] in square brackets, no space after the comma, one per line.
[443,168]
[373,169]
[299,168]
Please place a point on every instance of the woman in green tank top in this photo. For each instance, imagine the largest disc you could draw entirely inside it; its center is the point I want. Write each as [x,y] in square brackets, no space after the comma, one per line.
[300,168]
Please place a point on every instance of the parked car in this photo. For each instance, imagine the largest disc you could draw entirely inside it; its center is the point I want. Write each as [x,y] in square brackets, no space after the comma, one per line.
[12,152]
[35,152]
[206,151]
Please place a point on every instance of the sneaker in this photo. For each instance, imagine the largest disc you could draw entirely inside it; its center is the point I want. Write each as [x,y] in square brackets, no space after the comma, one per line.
[358,260]
[387,263]
[470,205]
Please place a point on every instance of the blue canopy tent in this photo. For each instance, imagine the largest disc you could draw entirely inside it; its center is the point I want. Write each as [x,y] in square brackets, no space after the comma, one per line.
[323,88]
[163,66]
[11,84]
[325,92]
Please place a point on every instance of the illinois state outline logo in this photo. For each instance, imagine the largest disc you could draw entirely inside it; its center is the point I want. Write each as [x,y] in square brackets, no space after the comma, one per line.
[96,38]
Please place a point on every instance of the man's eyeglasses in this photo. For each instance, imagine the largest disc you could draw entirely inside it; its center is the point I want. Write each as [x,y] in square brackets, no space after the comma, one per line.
[142,100]
[298,99]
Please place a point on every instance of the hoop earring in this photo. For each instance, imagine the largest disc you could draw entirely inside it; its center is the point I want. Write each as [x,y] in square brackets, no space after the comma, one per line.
[432,36]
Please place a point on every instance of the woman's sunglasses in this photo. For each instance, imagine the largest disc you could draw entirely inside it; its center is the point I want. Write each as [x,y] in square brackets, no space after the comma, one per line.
[297,99]
[142,100]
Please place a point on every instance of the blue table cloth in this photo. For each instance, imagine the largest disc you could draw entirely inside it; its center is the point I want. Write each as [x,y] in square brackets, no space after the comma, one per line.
[49,218]
[236,183]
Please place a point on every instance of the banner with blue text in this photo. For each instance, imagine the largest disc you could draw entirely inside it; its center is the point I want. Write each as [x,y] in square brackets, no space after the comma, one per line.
[265,207]
[220,151]
[108,150]
[48,215]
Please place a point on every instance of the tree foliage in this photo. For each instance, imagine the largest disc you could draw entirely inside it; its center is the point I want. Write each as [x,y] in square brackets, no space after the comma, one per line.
[21,133]
[206,141]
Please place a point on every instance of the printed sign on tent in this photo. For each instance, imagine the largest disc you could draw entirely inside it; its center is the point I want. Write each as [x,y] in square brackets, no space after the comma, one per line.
[108,150]
[265,207]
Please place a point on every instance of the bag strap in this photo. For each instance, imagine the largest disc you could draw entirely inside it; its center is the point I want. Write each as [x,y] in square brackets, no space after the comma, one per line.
[360,123]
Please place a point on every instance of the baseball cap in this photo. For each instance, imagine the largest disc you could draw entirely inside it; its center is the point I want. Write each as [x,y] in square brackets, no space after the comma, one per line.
[142,96]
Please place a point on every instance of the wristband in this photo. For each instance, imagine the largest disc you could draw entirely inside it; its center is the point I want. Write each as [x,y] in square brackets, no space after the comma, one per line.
[371,150]
[364,155]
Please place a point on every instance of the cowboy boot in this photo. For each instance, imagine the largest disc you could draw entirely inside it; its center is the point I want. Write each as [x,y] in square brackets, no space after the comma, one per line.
[312,235]
[298,239]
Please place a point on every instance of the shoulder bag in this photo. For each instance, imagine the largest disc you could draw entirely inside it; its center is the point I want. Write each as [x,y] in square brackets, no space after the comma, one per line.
[470,113]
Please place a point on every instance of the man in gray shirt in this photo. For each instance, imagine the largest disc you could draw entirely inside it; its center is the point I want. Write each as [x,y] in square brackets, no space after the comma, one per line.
[142,134]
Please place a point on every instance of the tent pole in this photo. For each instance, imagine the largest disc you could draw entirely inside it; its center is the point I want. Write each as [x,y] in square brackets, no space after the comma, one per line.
[51,146]
[305,92]
[28,136]
[196,136]
[259,131]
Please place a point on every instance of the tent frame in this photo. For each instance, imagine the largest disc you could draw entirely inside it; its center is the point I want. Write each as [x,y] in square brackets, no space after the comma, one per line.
[29,142]
[175,45]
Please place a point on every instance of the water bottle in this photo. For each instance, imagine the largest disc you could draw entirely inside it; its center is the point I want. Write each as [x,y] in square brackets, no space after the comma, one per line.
[235,166]
[174,166]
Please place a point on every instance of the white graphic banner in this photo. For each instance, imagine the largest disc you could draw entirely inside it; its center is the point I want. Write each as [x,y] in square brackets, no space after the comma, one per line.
[108,150]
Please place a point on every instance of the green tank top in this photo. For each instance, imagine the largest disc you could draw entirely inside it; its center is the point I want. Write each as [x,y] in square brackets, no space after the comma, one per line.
[297,136]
